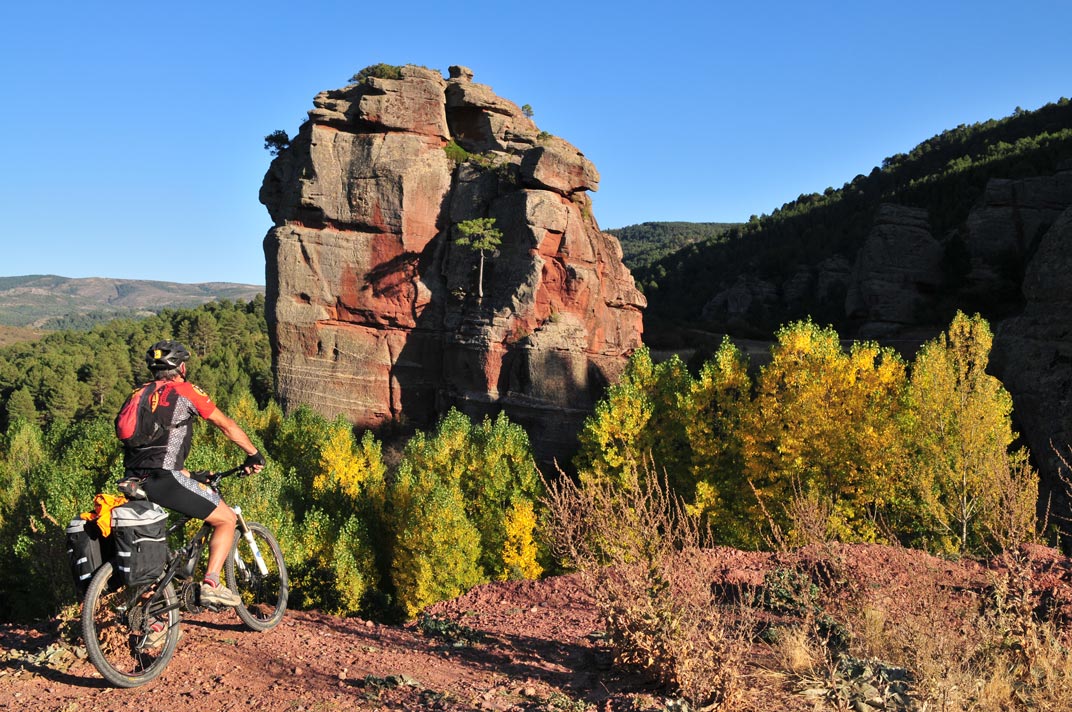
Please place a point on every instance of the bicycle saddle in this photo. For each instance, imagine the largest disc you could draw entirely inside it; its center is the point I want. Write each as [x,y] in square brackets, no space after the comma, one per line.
[131,488]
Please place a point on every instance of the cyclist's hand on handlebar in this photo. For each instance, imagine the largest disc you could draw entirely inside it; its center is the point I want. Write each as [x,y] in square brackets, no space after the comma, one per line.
[201,476]
[254,463]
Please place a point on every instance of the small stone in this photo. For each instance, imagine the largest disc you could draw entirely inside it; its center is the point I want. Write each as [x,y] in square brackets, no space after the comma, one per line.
[298,671]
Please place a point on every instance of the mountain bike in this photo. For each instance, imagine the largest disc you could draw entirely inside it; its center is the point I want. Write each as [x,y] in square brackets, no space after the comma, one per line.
[117,619]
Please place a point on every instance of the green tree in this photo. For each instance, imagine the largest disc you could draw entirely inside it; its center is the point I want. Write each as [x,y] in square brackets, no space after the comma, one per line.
[501,485]
[20,405]
[276,142]
[481,235]
[960,426]
[63,394]
[712,410]
[638,424]
[22,450]
[377,71]
[102,377]
[436,549]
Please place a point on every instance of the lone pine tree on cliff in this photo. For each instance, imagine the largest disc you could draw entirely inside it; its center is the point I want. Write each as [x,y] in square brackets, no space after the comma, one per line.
[479,234]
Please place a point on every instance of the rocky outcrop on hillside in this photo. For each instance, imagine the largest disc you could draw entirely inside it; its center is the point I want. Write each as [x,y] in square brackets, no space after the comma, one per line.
[1005,229]
[896,271]
[1033,351]
[375,312]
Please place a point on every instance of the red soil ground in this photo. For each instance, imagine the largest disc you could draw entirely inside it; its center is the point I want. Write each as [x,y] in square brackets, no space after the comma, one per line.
[524,646]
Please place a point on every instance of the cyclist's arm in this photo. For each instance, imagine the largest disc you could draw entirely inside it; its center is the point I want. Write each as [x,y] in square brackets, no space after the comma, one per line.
[232,430]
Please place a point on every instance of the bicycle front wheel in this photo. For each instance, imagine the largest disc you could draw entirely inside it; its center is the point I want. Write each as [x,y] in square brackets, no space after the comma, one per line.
[264,593]
[116,630]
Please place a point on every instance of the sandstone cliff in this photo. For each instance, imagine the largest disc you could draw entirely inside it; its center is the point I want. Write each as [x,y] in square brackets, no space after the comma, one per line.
[373,310]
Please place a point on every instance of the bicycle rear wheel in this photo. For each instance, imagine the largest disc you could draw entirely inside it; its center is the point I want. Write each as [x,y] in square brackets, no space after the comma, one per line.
[264,595]
[115,627]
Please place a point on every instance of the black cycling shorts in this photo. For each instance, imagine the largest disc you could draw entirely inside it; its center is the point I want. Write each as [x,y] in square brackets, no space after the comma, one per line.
[174,490]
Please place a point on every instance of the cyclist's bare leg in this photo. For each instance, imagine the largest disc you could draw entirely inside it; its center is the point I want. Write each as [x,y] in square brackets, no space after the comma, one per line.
[223,521]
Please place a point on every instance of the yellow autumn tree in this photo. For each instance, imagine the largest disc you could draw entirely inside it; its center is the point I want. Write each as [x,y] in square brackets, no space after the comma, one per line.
[435,548]
[245,412]
[823,430]
[344,505]
[711,410]
[638,424]
[462,481]
[960,426]
[519,552]
[501,482]
[345,465]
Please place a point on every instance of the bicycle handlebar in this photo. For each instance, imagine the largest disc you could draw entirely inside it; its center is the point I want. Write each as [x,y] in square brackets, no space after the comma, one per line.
[212,479]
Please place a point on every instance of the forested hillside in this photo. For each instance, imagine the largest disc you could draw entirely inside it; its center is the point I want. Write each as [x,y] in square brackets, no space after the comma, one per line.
[53,302]
[69,376]
[945,174]
[648,242]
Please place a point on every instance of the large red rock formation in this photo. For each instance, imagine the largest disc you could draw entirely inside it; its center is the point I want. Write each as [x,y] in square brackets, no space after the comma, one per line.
[374,311]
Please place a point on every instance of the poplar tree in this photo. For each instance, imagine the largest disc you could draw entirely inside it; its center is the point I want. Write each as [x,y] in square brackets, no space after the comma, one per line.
[823,427]
[712,410]
[960,426]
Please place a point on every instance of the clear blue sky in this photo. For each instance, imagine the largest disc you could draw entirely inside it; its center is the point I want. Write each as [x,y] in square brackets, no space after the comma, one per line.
[131,133]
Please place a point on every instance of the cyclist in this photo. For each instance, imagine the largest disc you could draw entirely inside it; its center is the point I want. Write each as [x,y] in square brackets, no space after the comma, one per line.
[158,465]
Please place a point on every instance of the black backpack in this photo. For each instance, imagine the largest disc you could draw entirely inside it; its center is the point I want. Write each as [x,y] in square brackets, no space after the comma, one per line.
[137,423]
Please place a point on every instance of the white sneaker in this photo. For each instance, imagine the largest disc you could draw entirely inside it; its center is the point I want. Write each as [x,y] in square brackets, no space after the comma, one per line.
[219,596]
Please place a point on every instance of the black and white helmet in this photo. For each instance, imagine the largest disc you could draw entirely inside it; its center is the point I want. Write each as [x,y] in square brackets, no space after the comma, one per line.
[166,355]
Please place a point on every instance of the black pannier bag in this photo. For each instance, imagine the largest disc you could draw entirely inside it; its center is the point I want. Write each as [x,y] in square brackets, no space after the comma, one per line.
[140,532]
[87,549]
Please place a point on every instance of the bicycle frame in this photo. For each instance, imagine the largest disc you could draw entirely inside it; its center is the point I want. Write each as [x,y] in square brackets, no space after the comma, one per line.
[182,565]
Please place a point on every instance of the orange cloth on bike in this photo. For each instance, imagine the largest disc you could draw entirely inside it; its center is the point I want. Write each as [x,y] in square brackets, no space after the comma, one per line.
[102,511]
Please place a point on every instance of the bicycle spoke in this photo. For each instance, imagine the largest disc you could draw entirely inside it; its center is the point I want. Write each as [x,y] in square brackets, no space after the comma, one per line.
[116,632]
[264,594]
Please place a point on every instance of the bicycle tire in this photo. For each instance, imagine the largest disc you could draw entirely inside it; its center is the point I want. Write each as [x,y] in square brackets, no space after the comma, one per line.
[113,628]
[264,597]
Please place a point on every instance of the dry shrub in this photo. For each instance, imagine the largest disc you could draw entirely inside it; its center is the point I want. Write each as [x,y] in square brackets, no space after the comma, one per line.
[996,656]
[1027,661]
[872,629]
[798,651]
[640,555]
[1012,519]
[809,517]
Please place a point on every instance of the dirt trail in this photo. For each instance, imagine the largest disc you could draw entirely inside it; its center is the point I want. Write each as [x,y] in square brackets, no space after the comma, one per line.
[502,646]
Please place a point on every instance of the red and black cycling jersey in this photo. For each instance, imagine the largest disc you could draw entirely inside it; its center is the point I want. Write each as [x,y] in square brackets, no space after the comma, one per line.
[178,403]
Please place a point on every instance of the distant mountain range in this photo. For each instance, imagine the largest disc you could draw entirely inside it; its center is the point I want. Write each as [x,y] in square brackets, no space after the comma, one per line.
[52,302]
